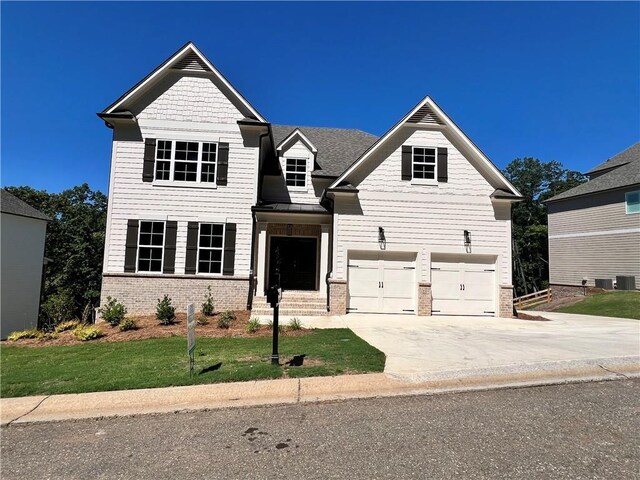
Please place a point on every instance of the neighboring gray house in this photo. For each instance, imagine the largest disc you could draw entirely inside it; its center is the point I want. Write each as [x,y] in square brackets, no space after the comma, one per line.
[22,233]
[594,228]
[205,192]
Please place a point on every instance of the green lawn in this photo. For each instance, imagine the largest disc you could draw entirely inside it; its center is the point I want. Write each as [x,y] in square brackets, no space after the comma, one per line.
[610,304]
[163,362]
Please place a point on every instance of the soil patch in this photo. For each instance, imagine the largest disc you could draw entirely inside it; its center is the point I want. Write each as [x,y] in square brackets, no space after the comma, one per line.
[149,327]
[525,316]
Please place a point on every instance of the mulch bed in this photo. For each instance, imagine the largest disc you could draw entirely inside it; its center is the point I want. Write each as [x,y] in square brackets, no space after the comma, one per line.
[149,327]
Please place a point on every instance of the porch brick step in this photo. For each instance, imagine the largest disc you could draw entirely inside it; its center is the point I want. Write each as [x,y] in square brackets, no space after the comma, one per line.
[289,312]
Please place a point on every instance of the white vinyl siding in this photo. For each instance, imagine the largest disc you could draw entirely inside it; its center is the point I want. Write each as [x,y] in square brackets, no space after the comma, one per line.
[192,109]
[419,217]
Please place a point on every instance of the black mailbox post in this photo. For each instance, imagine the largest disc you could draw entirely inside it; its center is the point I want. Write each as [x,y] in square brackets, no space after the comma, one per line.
[274,295]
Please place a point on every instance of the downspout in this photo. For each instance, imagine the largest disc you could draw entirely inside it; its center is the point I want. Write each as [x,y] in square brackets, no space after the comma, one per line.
[254,222]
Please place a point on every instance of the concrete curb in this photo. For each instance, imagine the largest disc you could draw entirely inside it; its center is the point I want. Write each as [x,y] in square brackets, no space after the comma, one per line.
[290,391]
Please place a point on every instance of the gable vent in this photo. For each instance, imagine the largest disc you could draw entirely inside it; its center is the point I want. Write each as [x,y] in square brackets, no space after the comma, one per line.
[425,115]
[191,61]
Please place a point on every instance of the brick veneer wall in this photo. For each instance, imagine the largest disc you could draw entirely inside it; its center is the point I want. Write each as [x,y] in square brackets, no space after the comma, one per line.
[505,307]
[425,300]
[337,297]
[140,293]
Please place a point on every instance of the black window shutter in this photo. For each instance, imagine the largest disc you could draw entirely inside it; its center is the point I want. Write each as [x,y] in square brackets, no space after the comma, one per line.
[223,163]
[192,248]
[407,152]
[229,248]
[131,246]
[149,163]
[171,232]
[443,158]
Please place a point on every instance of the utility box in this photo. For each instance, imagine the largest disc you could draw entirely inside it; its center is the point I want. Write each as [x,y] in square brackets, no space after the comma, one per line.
[625,282]
[605,283]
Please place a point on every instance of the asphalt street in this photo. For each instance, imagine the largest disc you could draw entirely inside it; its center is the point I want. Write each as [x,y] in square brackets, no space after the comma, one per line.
[587,430]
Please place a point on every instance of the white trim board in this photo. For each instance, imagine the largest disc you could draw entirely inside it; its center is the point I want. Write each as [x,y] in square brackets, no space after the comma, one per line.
[598,233]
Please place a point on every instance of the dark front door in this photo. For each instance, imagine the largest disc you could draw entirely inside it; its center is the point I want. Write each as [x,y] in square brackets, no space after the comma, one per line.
[295,259]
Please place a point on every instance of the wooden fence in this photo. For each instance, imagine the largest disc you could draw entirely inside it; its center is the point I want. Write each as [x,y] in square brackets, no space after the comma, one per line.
[532,299]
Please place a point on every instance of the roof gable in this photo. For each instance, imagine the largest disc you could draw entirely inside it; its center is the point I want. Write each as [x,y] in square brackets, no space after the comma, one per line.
[187,58]
[13,205]
[428,112]
[292,138]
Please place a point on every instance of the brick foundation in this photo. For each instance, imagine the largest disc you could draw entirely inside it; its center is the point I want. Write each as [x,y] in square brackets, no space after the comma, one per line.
[505,307]
[140,293]
[425,299]
[337,297]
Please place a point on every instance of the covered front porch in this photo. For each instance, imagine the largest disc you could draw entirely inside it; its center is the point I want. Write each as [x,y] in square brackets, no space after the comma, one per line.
[292,247]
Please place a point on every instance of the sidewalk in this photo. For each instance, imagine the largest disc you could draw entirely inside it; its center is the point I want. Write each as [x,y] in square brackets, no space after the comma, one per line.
[291,391]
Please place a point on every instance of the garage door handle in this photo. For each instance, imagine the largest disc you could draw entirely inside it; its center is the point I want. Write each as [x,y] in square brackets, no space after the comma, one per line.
[462,286]
[380,284]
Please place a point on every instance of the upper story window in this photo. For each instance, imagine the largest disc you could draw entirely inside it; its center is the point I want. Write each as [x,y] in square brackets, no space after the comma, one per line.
[296,172]
[210,246]
[184,161]
[632,202]
[424,161]
[150,246]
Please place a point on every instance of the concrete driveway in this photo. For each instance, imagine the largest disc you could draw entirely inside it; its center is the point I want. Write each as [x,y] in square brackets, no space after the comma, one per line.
[426,348]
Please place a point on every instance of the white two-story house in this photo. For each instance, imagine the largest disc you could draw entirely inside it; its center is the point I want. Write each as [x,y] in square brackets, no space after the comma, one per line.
[205,192]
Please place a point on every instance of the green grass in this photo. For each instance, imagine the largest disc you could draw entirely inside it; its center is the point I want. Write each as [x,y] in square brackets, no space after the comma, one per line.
[610,304]
[164,362]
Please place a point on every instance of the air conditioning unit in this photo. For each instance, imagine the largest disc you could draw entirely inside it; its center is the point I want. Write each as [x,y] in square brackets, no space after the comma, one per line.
[624,282]
[605,283]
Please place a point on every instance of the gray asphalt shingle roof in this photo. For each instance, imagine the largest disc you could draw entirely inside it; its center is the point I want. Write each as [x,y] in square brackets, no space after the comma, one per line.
[626,156]
[13,205]
[337,148]
[624,175]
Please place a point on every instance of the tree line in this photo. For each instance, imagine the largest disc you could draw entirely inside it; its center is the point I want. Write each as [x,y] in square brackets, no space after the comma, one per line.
[75,236]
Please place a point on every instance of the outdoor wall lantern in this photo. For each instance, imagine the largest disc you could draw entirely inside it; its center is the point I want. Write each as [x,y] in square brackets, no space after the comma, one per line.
[467,238]
[382,241]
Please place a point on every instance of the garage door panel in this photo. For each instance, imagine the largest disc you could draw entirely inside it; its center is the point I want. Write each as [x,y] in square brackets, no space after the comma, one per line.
[398,283]
[445,284]
[363,281]
[478,285]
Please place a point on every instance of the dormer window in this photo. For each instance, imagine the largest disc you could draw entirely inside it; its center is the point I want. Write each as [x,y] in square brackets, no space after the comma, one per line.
[296,172]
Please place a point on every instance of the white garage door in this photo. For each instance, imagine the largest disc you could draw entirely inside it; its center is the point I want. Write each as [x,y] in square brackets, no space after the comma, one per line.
[382,282]
[463,285]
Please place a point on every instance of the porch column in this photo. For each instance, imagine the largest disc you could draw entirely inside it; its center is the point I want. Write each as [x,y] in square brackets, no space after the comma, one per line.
[324,258]
[261,257]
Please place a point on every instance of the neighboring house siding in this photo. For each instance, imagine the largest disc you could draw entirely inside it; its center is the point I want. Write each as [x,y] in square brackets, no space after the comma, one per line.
[593,237]
[22,250]
[427,218]
[191,109]
[275,188]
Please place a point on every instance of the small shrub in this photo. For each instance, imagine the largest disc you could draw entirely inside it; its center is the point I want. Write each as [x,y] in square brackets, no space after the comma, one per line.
[58,308]
[128,324]
[295,324]
[68,325]
[19,335]
[225,319]
[253,326]
[113,311]
[281,329]
[48,335]
[202,320]
[165,312]
[86,313]
[270,324]
[207,306]
[87,332]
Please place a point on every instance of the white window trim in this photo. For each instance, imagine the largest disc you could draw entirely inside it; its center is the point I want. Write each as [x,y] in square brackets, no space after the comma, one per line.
[626,202]
[425,181]
[172,161]
[224,238]
[306,171]
[164,241]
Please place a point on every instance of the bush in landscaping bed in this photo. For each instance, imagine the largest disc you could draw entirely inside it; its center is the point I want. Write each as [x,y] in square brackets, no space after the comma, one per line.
[87,332]
[225,319]
[113,311]
[165,312]
[202,320]
[207,306]
[254,325]
[64,326]
[19,335]
[295,324]
[128,324]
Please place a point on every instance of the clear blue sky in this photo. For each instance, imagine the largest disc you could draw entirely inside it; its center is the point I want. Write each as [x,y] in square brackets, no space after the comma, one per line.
[555,81]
